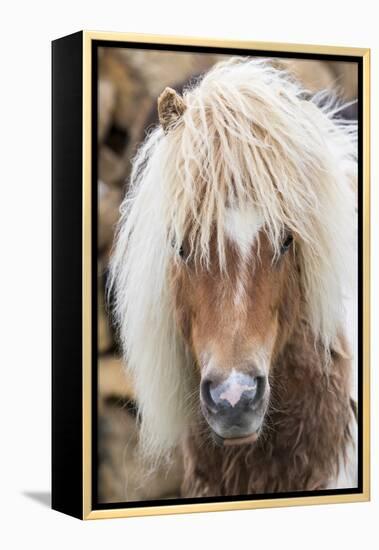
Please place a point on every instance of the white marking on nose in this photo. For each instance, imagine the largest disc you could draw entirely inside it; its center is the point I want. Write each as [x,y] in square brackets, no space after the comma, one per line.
[235,385]
[234,392]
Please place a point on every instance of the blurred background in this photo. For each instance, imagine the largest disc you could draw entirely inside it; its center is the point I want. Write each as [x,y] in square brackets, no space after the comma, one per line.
[130,80]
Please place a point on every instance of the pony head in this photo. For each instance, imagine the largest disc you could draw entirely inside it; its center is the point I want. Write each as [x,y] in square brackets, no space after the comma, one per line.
[236,228]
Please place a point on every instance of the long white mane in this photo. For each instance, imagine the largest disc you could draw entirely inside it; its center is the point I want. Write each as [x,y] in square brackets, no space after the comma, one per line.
[247,136]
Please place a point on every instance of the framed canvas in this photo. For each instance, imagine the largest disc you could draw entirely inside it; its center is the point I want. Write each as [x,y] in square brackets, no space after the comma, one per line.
[210,275]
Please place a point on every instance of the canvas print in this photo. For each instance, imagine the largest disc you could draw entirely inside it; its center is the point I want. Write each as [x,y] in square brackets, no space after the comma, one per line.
[227,356]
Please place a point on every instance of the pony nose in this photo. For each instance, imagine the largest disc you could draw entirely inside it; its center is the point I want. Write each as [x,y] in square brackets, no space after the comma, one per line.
[239,391]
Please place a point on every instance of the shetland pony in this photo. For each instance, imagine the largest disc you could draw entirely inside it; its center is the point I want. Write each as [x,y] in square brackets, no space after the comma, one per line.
[234,251]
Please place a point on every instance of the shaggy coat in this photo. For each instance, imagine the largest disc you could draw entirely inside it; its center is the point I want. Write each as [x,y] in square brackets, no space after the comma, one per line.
[239,163]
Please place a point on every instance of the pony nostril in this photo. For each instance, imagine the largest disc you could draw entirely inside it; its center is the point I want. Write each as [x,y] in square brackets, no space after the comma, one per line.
[260,388]
[250,392]
[206,396]
[254,392]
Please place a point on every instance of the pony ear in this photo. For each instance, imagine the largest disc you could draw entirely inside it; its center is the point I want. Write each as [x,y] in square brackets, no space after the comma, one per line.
[170,108]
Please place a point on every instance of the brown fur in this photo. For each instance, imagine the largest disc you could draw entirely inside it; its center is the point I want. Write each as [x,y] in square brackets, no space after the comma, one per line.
[306,427]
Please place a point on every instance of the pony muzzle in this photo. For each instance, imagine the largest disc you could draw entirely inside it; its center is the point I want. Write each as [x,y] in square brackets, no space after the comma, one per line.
[234,408]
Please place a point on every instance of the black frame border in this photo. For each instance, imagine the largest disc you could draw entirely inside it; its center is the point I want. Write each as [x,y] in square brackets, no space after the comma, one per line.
[67,258]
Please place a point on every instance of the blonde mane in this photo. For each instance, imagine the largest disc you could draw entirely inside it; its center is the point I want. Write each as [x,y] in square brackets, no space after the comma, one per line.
[247,136]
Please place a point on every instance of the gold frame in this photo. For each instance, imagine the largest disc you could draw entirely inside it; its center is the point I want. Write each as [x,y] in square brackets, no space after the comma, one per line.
[88,513]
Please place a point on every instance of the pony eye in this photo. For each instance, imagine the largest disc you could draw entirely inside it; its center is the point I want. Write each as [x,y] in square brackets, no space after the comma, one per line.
[180,251]
[286,243]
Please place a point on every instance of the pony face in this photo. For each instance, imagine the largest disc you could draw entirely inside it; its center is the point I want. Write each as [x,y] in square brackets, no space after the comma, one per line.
[235,322]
